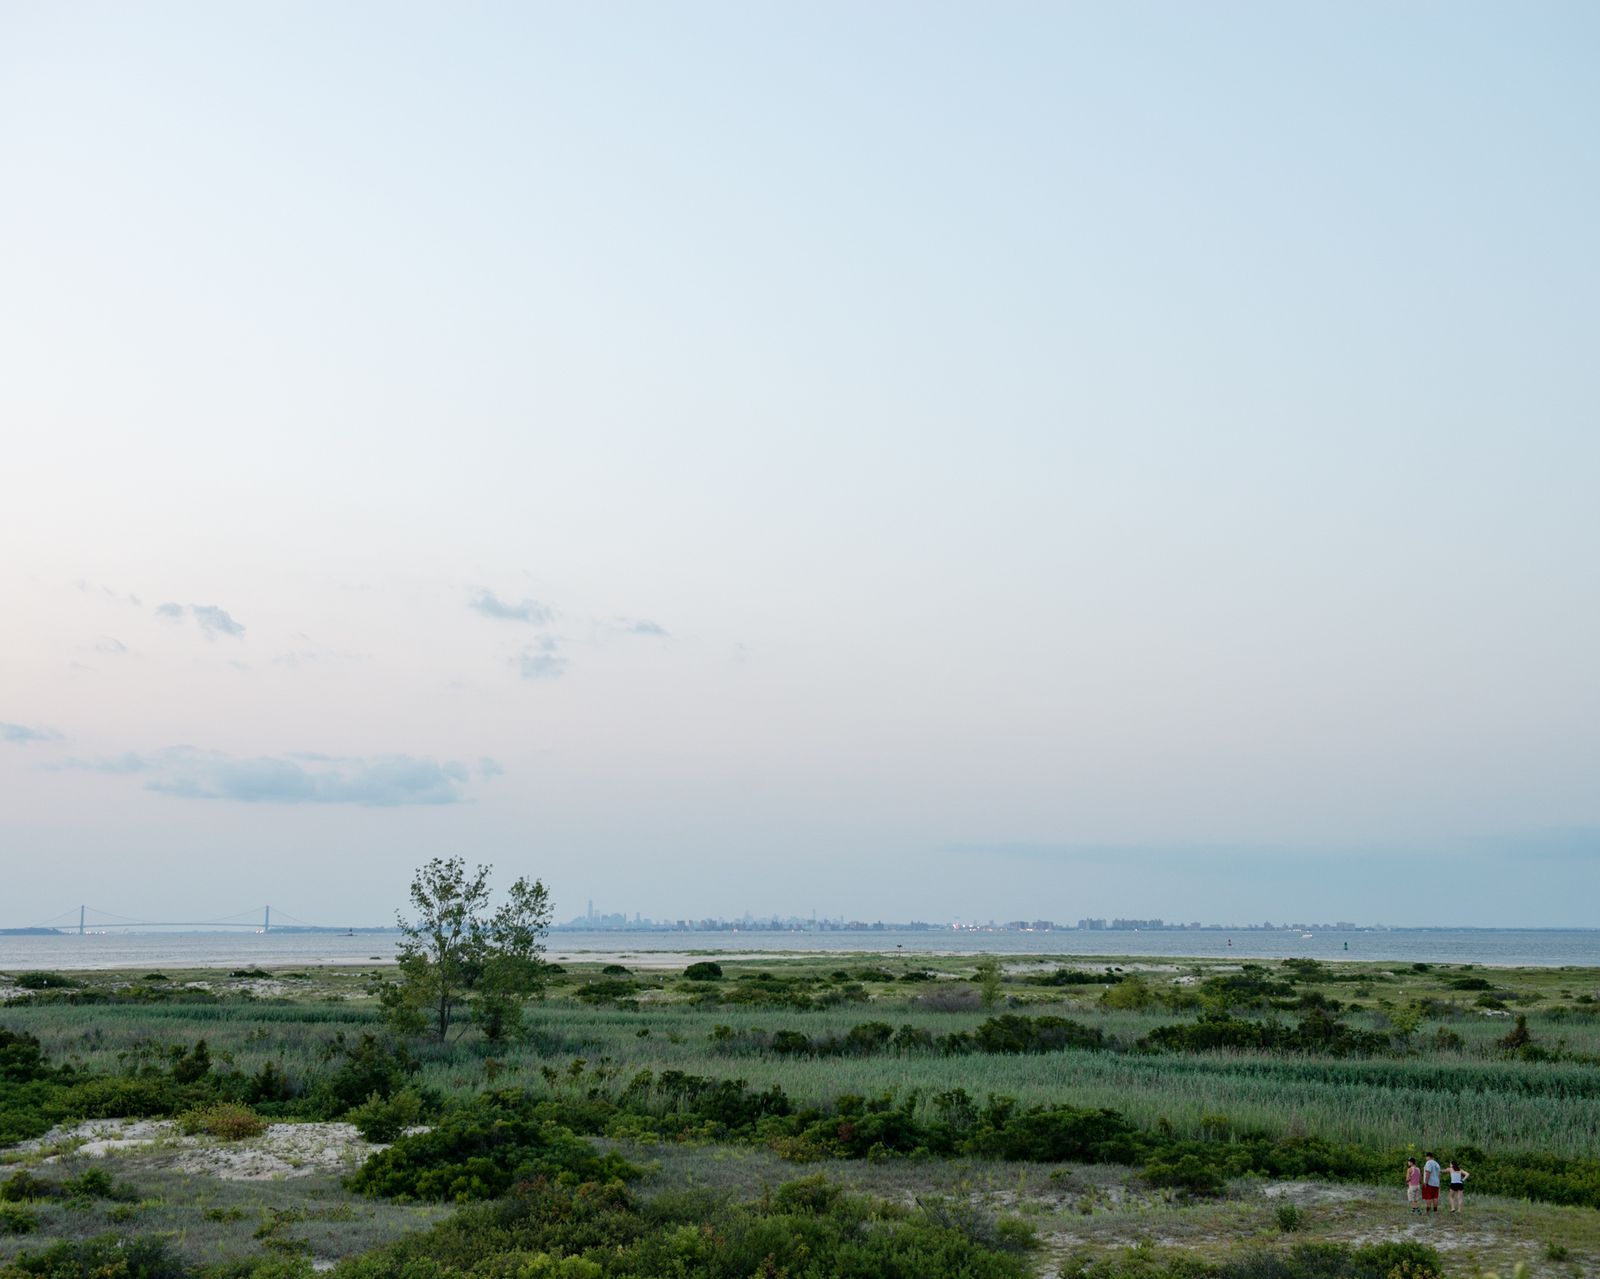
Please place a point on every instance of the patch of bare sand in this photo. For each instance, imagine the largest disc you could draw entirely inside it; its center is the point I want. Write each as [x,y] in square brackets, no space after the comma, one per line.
[1318,1192]
[283,1150]
[1427,1229]
[98,1137]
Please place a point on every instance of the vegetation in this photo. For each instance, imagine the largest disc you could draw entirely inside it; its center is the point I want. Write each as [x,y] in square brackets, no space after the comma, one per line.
[458,954]
[549,1136]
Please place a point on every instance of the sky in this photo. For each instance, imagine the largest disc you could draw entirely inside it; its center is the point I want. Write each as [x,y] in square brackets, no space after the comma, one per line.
[904,461]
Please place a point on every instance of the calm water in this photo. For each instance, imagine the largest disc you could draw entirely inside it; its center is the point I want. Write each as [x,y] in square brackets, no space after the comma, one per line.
[230,950]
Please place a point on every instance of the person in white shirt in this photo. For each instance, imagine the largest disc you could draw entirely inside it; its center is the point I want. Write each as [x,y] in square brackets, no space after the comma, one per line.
[1458,1185]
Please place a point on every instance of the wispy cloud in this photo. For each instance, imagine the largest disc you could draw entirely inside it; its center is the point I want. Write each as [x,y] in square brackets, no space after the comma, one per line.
[541,661]
[128,762]
[379,781]
[26,734]
[384,781]
[490,768]
[644,626]
[530,611]
[212,620]
[94,588]
[317,656]
[110,645]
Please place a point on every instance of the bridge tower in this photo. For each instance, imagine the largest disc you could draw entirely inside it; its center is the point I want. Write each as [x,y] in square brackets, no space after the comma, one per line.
[80,920]
[266,919]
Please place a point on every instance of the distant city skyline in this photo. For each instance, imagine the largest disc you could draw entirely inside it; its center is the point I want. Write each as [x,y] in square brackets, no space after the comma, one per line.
[1133,460]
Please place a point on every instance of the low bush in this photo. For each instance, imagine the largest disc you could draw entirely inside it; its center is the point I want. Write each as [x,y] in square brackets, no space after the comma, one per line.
[705,970]
[22,1058]
[97,1183]
[1011,1033]
[225,1120]
[369,1065]
[1189,1173]
[1304,1261]
[481,1151]
[20,1187]
[46,981]
[557,1229]
[107,1257]
[1319,1032]
[117,1097]
[385,1118]
[1077,977]
[17,1220]
[610,990]
[1007,1033]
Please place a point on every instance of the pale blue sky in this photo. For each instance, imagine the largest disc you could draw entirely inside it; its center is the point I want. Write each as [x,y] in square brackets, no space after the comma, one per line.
[866,458]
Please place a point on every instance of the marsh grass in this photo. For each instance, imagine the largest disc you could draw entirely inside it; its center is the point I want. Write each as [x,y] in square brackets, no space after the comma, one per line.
[1467,1095]
[214,1221]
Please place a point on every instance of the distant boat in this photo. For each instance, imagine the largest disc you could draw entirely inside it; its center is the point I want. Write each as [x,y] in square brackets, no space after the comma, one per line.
[1305,934]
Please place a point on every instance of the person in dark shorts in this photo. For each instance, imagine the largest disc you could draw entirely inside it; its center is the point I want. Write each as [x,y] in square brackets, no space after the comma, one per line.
[1458,1185]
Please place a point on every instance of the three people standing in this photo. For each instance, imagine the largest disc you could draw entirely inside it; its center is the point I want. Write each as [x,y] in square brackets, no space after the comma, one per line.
[1423,1184]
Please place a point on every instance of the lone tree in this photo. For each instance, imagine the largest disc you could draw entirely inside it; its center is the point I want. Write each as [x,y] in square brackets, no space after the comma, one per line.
[458,958]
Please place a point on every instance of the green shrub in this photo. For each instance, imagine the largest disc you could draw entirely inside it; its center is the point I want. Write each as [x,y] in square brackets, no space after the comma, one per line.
[1289,1218]
[268,1085]
[383,1119]
[20,1187]
[192,1066]
[17,1220]
[21,1058]
[46,981]
[553,1229]
[97,1183]
[226,1120]
[106,1257]
[1187,1173]
[370,1065]
[1077,977]
[1131,992]
[705,970]
[611,990]
[117,1097]
[481,1151]
[1010,1033]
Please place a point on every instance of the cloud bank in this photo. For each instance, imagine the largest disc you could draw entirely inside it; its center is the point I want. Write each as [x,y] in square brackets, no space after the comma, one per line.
[541,661]
[212,620]
[24,734]
[530,611]
[379,781]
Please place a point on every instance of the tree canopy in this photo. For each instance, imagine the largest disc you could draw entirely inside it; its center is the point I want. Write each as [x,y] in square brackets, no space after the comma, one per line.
[460,960]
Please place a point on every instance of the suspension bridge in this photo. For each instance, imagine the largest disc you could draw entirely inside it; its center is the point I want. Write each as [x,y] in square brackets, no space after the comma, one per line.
[89,919]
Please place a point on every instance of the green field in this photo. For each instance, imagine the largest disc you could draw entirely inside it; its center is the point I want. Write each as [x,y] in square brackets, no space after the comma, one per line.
[1407,1059]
